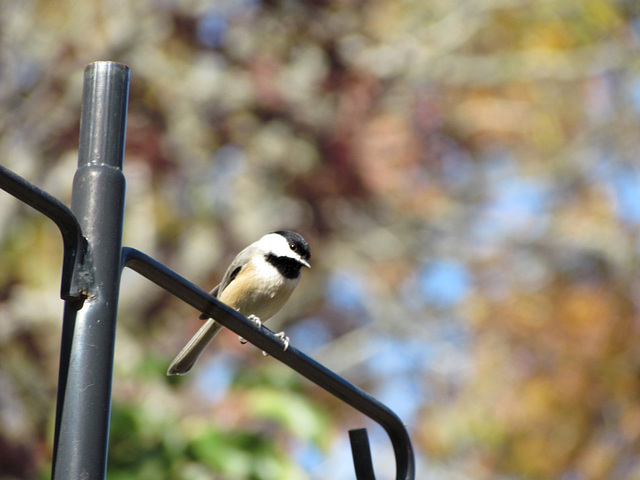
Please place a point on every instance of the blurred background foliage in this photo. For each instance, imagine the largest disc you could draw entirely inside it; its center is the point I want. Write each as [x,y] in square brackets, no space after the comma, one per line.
[465,171]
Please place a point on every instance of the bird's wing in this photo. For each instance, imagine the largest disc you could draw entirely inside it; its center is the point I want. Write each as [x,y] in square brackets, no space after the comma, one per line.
[232,272]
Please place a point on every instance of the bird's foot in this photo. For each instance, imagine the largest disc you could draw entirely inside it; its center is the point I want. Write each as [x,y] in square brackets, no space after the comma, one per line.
[285,342]
[284,338]
[256,321]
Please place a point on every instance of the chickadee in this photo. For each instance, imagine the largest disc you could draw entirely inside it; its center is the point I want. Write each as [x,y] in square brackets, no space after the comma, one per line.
[257,284]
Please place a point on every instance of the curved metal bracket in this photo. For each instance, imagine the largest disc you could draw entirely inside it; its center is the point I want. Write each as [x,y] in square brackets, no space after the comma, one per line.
[74,268]
[265,340]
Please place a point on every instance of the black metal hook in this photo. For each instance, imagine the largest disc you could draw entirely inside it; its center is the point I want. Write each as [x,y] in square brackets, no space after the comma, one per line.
[74,268]
[264,339]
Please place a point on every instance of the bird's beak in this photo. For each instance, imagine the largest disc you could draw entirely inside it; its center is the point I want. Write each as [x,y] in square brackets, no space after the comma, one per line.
[304,262]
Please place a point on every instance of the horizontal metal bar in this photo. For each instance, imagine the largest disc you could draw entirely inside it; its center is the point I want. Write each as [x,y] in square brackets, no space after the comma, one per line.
[75,245]
[265,340]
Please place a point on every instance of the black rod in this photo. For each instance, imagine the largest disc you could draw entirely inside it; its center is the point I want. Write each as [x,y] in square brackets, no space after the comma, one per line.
[361,452]
[86,361]
[294,358]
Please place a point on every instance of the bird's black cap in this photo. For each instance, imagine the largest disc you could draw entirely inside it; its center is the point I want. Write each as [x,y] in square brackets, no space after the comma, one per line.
[297,243]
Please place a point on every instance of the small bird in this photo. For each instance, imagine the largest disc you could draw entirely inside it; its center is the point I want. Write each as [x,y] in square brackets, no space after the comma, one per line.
[257,284]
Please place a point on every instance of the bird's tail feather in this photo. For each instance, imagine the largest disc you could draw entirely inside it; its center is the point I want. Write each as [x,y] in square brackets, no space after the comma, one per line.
[187,357]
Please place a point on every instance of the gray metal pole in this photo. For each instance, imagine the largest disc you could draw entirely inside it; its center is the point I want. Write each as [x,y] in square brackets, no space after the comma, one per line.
[86,362]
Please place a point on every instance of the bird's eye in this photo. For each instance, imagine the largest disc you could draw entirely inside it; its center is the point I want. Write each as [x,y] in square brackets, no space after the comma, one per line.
[292,246]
